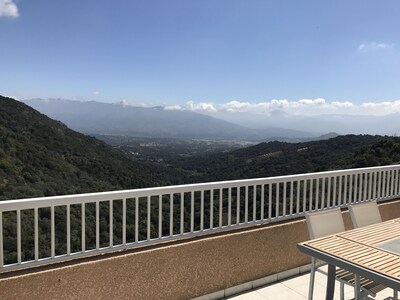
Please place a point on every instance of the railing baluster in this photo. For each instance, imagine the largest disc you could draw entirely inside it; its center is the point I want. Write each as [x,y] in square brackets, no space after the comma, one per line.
[392,182]
[97,225]
[52,232]
[355,187]
[202,210]
[374,186]
[148,218]
[192,211]
[379,185]
[328,199]
[334,195]
[159,216]
[277,200]
[360,188]
[211,209]
[221,193]
[345,197]
[350,199]
[246,204]
[284,199]
[304,195]
[124,221]
[136,219]
[369,186]
[68,229]
[262,202]
[291,197]
[111,222]
[229,206]
[36,234]
[270,201]
[238,205]
[83,227]
[311,194]
[298,197]
[171,214]
[19,250]
[254,203]
[182,211]
[365,195]
[396,184]
[387,183]
[317,194]
[340,191]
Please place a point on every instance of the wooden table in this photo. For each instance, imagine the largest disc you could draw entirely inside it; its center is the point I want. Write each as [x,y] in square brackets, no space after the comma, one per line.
[371,251]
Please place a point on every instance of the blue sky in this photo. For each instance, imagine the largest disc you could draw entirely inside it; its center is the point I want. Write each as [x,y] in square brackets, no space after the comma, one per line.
[215,52]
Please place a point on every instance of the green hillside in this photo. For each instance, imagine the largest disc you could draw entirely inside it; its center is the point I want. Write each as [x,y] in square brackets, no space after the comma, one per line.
[42,157]
[278,158]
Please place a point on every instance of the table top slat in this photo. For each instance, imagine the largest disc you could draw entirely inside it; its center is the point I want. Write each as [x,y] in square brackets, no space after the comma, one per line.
[352,248]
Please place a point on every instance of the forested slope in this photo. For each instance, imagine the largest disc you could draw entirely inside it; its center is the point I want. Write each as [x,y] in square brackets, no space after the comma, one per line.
[278,158]
[42,157]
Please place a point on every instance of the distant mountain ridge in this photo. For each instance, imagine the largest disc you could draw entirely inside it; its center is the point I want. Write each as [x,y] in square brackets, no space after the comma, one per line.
[116,119]
[340,123]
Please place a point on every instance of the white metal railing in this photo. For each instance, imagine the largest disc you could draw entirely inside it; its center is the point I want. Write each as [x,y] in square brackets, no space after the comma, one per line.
[43,230]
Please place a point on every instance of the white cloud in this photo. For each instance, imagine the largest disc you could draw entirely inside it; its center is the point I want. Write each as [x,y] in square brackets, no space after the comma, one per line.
[202,106]
[374,46]
[385,107]
[8,9]
[318,101]
[94,92]
[173,107]
[345,104]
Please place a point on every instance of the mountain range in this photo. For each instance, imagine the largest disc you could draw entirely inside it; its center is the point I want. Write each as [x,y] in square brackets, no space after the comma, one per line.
[92,117]
[315,124]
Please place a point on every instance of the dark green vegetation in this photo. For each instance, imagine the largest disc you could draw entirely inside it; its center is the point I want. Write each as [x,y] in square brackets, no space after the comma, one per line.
[265,159]
[276,158]
[42,157]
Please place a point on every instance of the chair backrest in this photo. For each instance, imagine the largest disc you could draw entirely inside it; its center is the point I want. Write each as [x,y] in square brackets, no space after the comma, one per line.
[324,223]
[364,214]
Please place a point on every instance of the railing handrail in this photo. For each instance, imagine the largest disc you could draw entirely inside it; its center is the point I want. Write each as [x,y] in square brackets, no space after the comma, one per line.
[7,205]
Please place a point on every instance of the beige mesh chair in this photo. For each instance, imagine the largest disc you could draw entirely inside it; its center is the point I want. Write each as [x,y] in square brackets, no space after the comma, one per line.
[364,214]
[329,222]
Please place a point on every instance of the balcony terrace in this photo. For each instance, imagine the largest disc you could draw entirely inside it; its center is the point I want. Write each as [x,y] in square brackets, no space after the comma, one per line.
[206,241]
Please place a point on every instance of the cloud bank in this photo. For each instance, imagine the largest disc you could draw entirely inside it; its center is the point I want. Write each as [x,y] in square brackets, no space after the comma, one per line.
[309,107]
[8,9]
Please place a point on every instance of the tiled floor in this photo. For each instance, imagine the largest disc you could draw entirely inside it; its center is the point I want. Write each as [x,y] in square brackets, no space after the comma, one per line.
[297,288]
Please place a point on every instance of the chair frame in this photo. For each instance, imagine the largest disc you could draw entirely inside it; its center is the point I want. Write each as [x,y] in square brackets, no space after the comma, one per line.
[341,275]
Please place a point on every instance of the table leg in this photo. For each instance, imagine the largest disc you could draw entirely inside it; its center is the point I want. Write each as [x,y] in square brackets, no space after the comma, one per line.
[330,285]
[357,287]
